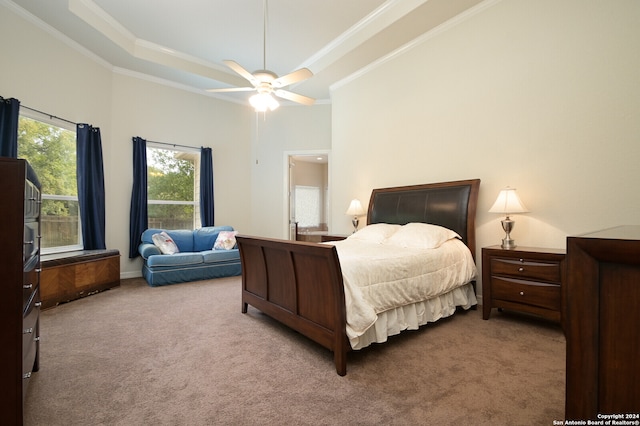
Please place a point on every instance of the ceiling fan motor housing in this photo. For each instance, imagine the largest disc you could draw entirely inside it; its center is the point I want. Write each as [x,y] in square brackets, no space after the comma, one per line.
[263,80]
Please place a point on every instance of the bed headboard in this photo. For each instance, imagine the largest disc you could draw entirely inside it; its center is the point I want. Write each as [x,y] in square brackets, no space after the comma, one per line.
[448,204]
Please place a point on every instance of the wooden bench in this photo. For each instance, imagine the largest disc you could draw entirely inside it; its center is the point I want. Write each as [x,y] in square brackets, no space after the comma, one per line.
[69,276]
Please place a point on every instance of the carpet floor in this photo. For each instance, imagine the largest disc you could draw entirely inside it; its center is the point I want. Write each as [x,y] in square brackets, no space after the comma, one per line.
[186,355]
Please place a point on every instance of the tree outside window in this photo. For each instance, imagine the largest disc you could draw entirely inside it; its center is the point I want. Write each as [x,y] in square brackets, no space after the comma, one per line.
[173,191]
[51,151]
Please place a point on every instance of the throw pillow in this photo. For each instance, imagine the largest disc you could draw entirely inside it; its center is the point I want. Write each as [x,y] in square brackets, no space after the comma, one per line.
[421,235]
[226,240]
[164,242]
[376,233]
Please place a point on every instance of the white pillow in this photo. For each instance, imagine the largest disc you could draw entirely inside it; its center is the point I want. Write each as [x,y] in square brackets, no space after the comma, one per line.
[226,240]
[421,235]
[164,242]
[376,233]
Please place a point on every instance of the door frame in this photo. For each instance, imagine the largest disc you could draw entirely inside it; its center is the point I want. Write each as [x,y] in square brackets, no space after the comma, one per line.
[287,185]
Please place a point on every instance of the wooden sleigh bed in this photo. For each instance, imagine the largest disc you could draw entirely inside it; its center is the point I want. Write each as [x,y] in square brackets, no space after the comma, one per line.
[302,285]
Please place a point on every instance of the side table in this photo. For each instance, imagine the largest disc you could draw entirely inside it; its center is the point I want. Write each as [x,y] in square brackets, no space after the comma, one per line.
[525,279]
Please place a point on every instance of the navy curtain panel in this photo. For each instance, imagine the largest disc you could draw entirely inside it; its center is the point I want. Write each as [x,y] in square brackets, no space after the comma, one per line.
[206,187]
[138,215]
[90,176]
[9,109]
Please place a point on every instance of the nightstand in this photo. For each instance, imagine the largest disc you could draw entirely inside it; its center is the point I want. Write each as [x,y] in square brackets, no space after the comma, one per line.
[525,279]
[332,237]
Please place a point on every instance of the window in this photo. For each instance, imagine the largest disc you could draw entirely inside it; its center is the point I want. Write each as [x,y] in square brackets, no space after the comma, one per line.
[51,151]
[308,206]
[173,180]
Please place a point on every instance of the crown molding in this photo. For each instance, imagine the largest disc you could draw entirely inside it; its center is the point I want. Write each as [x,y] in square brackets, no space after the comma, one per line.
[37,22]
[451,23]
[385,15]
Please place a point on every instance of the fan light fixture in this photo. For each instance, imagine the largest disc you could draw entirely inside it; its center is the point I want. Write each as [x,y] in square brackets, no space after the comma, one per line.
[262,102]
[267,83]
[507,203]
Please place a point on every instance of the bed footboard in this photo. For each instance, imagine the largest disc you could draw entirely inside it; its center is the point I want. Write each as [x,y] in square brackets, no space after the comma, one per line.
[299,284]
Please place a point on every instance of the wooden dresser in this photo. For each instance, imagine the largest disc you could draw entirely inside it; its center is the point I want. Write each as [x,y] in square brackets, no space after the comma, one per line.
[602,324]
[19,284]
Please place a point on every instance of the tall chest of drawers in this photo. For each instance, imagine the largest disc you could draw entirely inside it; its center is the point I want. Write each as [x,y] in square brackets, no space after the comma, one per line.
[19,284]
[602,325]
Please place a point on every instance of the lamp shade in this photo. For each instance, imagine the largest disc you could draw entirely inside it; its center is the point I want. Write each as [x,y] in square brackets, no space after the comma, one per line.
[355,208]
[508,202]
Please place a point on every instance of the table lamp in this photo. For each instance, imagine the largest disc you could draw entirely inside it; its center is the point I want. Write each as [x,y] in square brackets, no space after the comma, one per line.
[507,203]
[355,209]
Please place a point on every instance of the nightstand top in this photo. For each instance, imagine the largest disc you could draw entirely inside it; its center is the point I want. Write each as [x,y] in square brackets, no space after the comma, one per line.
[527,249]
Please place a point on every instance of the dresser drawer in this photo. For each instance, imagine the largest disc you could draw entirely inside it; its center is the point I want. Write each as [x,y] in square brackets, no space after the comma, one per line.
[527,269]
[30,320]
[30,337]
[526,292]
[30,281]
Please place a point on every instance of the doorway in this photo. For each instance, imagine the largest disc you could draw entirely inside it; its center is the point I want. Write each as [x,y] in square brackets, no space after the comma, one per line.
[308,195]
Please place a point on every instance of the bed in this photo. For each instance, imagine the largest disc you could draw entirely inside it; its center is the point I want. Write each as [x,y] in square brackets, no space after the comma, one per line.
[315,289]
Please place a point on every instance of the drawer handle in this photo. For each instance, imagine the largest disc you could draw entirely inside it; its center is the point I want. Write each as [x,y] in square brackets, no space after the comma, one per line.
[26,375]
[38,304]
[521,269]
[37,339]
[27,331]
[27,286]
[522,293]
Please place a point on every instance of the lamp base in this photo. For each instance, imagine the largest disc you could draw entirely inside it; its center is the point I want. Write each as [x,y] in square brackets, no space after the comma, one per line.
[508,243]
[507,226]
[355,221]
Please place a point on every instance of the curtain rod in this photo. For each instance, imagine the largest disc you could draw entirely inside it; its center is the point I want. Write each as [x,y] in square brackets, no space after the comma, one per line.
[175,145]
[49,115]
[75,124]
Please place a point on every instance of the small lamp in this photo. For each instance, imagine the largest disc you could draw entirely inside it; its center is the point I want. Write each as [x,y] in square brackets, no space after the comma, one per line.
[355,209]
[507,203]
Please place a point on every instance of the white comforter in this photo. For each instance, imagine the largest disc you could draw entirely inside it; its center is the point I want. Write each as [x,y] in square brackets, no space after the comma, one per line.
[380,277]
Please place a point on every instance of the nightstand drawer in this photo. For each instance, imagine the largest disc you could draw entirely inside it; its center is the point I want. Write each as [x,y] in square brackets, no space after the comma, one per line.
[526,292]
[535,270]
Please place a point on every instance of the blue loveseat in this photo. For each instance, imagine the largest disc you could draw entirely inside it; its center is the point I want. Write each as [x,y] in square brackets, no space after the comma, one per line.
[196,260]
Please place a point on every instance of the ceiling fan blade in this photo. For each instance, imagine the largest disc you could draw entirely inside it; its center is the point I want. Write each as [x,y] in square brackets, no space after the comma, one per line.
[294,77]
[241,71]
[231,89]
[305,100]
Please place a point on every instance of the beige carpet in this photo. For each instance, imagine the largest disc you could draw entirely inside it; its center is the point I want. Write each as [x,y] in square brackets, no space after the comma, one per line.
[185,355]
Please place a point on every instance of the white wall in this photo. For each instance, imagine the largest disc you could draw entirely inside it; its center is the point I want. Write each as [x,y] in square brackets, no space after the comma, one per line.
[164,114]
[290,128]
[542,96]
[539,95]
[45,73]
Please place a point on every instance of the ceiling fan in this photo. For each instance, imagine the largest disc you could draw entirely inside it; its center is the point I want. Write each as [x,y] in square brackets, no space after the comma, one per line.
[267,82]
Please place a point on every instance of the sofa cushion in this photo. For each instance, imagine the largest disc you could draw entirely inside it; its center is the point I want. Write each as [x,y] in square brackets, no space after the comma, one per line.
[204,238]
[183,239]
[178,259]
[147,235]
[215,256]
[146,250]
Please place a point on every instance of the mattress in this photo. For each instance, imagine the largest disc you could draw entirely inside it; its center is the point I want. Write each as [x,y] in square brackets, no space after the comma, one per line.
[390,288]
